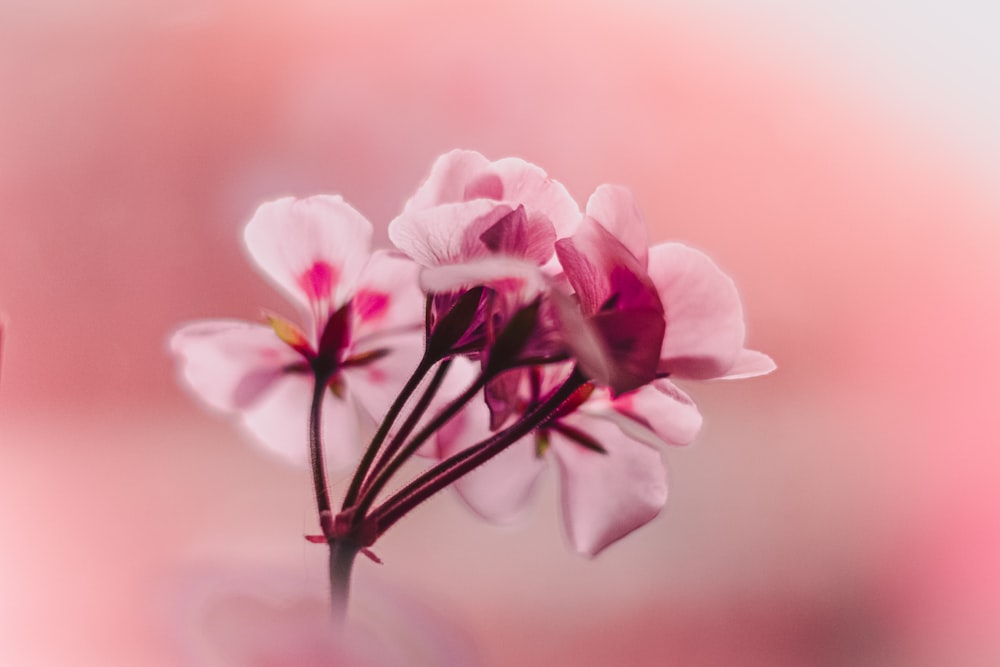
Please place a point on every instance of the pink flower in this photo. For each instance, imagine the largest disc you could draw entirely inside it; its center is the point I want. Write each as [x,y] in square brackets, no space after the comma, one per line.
[612,476]
[476,222]
[640,315]
[615,329]
[363,313]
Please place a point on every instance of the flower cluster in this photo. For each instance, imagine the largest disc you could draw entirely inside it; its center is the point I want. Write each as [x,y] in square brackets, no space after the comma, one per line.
[506,328]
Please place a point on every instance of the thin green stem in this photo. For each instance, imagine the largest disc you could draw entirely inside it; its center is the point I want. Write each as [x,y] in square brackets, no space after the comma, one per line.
[449,470]
[368,458]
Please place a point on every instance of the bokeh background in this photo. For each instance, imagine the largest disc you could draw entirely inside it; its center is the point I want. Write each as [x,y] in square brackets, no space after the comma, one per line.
[840,160]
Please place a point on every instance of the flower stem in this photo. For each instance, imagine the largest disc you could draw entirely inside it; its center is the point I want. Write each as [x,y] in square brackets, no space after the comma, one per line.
[409,424]
[383,430]
[389,469]
[342,551]
[316,456]
[449,470]
[342,555]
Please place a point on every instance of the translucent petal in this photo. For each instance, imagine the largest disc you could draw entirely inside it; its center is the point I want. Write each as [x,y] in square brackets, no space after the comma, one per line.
[607,496]
[312,249]
[705,328]
[230,364]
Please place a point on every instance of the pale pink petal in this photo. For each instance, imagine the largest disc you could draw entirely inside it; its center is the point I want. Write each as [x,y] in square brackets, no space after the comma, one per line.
[607,496]
[616,210]
[463,175]
[230,364]
[388,298]
[750,363]
[454,177]
[516,280]
[447,233]
[280,422]
[500,489]
[705,328]
[375,385]
[542,197]
[657,414]
[313,249]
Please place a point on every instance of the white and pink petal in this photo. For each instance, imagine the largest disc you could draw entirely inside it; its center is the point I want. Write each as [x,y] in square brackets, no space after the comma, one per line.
[231,364]
[388,299]
[657,414]
[464,175]
[313,249]
[447,233]
[606,496]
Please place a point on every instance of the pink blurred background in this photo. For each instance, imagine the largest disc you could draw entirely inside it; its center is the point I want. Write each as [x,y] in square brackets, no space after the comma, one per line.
[840,164]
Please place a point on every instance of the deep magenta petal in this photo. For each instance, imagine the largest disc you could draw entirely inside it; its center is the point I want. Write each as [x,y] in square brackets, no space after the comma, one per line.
[600,268]
[513,236]
[630,341]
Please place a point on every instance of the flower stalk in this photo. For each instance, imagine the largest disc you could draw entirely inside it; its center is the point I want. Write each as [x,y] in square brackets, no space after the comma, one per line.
[579,328]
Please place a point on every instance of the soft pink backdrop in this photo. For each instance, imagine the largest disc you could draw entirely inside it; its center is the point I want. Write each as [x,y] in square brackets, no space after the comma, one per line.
[843,511]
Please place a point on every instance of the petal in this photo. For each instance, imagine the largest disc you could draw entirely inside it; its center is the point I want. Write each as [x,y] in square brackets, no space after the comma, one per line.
[230,364]
[312,249]
[375,385]
[453,177]
[500,489]
[464,175]
[705,329]
[630,341]
[607,496]
[600,267]
[280,422]
[448,233]
[388,299]
[657,414]
[750,363]
[515,236]
[517,281]
[541,196]
[615,208]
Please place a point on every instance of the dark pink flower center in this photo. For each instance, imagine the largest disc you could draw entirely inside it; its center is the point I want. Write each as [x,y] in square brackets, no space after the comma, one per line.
[369,305]
[318,280]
